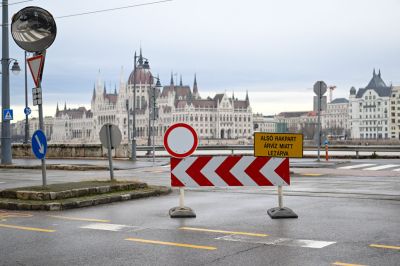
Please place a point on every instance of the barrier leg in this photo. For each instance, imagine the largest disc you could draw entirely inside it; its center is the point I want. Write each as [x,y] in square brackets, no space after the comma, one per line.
[281,212]
[181,211]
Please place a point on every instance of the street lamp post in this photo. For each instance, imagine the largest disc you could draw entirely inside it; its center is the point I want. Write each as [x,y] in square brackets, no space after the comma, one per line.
[129,123]
[134,112]
[6,155]
[26,104]
[152,115]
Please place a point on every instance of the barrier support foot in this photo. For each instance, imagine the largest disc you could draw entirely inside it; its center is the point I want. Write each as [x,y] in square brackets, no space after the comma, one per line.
[182,212]
[281,213]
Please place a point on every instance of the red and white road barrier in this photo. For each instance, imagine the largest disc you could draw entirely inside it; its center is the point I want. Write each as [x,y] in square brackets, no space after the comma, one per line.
[223,171]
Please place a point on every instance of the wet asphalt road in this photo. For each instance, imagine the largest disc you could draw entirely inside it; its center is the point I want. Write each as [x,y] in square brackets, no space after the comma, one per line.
[351,216]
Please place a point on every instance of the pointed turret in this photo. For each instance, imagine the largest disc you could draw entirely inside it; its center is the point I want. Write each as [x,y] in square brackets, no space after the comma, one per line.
[172,80]
[140,61]
[247,96]
[104,90]
[180,82]
[195,89]
[374,74]
[94,93]
[115,89]
[379,73]
[233,95]
[57,110]
[65,106]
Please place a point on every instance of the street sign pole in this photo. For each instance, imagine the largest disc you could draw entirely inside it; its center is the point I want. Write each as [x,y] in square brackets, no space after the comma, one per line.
[41,126]
[319,126]
[319,89]
[110,138]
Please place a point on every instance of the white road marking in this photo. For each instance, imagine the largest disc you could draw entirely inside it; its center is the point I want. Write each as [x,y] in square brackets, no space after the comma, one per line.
[397,170]
[357,166]
[277,241]
[380,167]
[111,227]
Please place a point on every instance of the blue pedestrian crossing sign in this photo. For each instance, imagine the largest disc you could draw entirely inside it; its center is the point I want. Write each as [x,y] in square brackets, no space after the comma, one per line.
[27,111]
[39,144]
[8,115]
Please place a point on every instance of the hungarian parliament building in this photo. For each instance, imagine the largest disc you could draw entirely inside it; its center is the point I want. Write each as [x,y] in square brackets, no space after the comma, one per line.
[220,117]
[143,109]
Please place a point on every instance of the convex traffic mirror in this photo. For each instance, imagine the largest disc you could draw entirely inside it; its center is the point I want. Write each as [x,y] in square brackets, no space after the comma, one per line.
[33,29]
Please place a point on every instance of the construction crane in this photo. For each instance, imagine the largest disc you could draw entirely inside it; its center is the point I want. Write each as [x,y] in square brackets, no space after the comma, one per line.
[331,88]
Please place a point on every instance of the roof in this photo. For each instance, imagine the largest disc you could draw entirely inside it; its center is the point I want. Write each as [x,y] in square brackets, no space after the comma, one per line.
[376,84]
[240,104]
[382,92]
[142,76]
[112,98]
[293,114]
[75,113]
[204,103]
[218,97]
[339,100]
[376,81]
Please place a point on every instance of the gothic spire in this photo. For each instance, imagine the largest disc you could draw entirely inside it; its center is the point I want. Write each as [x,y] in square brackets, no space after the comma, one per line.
[94,93]
[65,106]
[180,83]
[379,73]
[247,96]
[374,74]
[172,79]
[140,57]
[57,108]
[195,90]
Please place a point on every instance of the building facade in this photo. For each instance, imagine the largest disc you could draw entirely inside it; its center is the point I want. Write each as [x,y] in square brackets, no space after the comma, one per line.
[220,117]
[369,110]
[395,113]
[335,120]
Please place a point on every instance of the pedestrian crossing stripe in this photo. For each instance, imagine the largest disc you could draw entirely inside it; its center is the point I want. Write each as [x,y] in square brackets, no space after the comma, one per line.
[371,167]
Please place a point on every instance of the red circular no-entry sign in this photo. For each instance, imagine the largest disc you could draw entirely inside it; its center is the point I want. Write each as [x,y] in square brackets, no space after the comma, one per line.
[180,140]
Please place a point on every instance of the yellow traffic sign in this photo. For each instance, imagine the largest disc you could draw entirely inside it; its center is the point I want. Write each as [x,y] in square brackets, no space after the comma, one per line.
[278,145]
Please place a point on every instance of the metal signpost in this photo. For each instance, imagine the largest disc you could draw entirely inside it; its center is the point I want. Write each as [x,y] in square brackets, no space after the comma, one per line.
[34,30]
[180,141]
[319,89]
[39,149]
[110,137]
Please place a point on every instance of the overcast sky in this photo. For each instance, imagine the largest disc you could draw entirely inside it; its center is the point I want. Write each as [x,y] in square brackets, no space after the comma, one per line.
[274,49]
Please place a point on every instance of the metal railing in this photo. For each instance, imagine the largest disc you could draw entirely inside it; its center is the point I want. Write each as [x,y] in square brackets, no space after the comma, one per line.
[345,148]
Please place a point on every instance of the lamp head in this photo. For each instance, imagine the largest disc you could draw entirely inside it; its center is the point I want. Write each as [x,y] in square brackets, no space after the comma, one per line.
[15,69]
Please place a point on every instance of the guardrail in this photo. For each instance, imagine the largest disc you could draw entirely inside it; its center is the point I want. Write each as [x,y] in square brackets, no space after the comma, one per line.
[349,148]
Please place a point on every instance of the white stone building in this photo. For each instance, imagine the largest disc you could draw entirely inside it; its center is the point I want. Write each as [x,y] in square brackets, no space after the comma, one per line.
[369,110]
[264,123]
[335,119]
[221,117]
[395,113]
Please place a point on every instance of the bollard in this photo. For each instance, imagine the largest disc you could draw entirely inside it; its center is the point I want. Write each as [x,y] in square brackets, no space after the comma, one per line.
[326,152]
